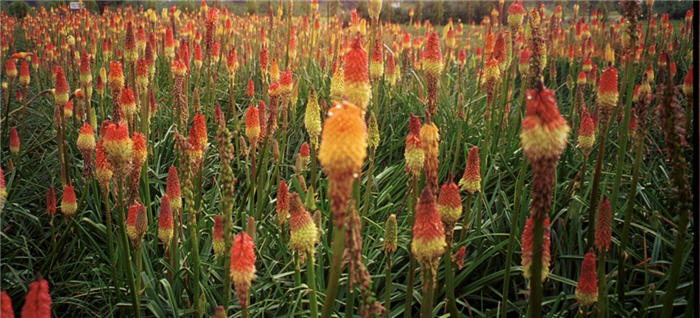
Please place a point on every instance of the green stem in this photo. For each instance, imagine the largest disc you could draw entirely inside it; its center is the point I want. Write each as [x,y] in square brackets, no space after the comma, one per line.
[514,223]
[534,307]
[450,278]
[602,286]
[311,277]
[408,310]
[337,247]
[467,211]
[128,269]
[674,274]
[426,309]
[595,192]
[387,287]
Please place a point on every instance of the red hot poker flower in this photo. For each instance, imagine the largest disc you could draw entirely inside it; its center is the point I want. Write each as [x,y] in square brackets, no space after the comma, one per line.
[37,303]
[587,289]
[603,226]
[6,310]
[51,201]
[242,265]
[172,188]
[165,221]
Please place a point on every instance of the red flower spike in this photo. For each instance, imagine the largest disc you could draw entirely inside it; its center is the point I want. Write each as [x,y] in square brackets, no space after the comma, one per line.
[37,303]
[587,289]
[603,226]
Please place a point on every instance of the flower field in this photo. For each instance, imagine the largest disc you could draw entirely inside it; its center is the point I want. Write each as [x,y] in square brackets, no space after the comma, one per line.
[313,159]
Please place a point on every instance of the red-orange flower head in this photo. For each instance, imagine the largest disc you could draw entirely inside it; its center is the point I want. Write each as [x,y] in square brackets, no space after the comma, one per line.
[130,54]
[607,92]
[587,289]
[432,61]
[430,139]
[62,90]
[69,204]
[178,68]
[282,202]
[603,226]
[376,65]
[428,232]
[127,102]
[140,151]
[242,265]
[527,245]
[24,77]
[6,306]
[86,138]
[581,80]
[449,203]
[198,132]
[169,44]
[165,221]
[116,76]
[14,141]
[142,74]
[250,91]
[688,83]
[11,69]
[491,71]
[218,243]
[586,132]
[136,223]
[262,116]
[343,150]
[303,230]
[524,62]
[516,13]
[172,188]
[119,147]
[471,180]
[356,87]
[544,131]
[252,125]
[37,303]
[413,152]
[286,83]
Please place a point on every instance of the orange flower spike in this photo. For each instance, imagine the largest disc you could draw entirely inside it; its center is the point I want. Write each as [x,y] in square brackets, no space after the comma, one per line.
[342,152]
[218,244]
[282,202]
[356,86]
[286,83]
[413,152]
[586,132]
[688,83]
[449,203]
[11,69]
[37,302]
[428,232]
[6,310]
[459,257]
[86,138]
[304,233]
[116,76]
[581,80]
[165,221]
[197,55]
[118,147]
[14,141]
[61,90]
[471,180]
[51,201]
[102,166]
[178,68]
[252,125]
[136,223]
[603,226]
[430,139]
[242,266]
[127,102]
[169,44]
[432,62]
[376,65]
[516,14]
[527,245]
[608,92]
[142,74]
[172,188]
[250,90]
[130,53]
[140,152]
[544,130]
[199,131]
[524,62]
[69,204]
[24,77]
[587,289]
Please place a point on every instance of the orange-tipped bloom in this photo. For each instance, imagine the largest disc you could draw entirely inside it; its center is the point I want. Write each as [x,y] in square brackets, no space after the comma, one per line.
[527,245]
[119,147]
[586,132]
[432,61]
[198,132]
[127,102]
[471,180]
[430,139]
[252,125]
[282,202]
[491,71]
[172,188]
[86,138]
[303,231]
[607,92]
[524,62]
[688,83]
[242,266]
[587,289]
[544,130]
[116,76]
[130,54]
[342,152]
[69,204]
[413,152]
[458,257]
[140,152]
[136,223]
[303,158]
[62,90]
[250,90]
[218,244]
[142,74]
[449,203]
[178,68]
[51,201]
[102,166]
[376,65]
[428,232]
[6,310]
[581,80]
[356,87]
[11,69]
[165,221]
[24,77]
[37,303]
[516,13]
[286,83]
[14,141]
[603,226]
[68,110]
